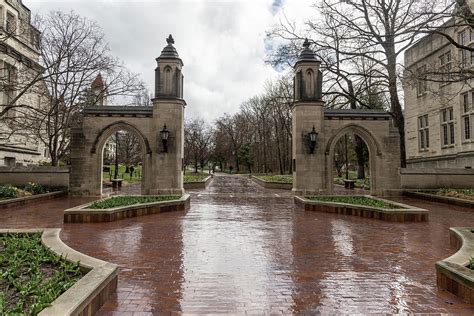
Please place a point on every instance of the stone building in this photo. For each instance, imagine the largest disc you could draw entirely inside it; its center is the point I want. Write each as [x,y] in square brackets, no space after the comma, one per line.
[19,62]
[439,103]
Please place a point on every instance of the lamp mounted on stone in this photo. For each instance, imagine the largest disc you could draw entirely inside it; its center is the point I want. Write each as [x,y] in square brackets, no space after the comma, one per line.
[313,138]
[165,133]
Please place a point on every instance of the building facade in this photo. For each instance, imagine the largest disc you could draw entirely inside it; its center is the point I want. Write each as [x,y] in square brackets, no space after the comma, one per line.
[19,64]
[439,100]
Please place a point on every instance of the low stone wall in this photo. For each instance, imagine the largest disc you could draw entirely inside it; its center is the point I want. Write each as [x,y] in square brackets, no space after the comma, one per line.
[431,178]
[82,214]
[197,184]
[452,274]
[30,199]
[51,176]
[406,213]
[272,185]
[439,198]
[90,292]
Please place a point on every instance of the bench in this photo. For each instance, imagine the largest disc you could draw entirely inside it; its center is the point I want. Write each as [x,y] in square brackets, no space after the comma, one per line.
[349,184]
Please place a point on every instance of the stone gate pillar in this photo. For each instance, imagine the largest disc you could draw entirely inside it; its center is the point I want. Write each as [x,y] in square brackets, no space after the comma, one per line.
[308,112]
[168,110]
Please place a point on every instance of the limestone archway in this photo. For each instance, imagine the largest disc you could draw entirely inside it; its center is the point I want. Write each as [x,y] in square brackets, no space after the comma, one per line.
[162,165]
[313,165]
[373,147]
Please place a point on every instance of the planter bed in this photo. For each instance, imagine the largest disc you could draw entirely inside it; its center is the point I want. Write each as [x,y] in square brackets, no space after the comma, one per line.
[430,195]
[197,184]
[86,296]
[85,214]
[14,202]
[272,184]
[453,273]
[397,212]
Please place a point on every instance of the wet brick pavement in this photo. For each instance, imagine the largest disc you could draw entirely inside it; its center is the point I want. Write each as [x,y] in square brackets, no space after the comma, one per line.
[245,249]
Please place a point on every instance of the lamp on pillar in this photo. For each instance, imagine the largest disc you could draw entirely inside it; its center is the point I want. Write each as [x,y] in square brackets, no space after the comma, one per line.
[165,133]
[313,138]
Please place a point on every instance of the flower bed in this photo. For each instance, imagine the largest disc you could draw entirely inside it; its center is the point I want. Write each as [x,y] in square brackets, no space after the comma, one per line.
[282,182]
[121,207]
[86,296]
[456,273]
[196,180]
[363,206]
[31,276]
[459,197]
[13,196]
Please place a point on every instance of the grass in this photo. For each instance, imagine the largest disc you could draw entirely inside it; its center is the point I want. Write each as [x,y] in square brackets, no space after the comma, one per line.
[356,200]
[31,276]
[277,178]
[467,194]
[195,177]
[119,201]
[471,263]
[137,174]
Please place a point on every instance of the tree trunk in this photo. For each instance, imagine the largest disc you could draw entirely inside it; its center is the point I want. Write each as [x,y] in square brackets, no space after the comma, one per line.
[359,148]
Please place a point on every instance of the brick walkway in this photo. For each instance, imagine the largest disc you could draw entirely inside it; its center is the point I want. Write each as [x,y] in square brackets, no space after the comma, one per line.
[241,248]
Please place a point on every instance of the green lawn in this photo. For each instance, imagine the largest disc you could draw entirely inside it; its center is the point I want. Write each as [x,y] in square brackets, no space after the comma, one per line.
[195,177]
[277,178]
[137,174]
[119,201]
[31,276]
[356,200]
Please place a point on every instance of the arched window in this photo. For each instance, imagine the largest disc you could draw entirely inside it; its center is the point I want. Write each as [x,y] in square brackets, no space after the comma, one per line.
[167,81]
[309,88]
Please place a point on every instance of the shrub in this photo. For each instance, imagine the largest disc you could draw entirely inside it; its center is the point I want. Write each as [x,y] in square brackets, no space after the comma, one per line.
[8,191]
[356,200]
[471,263]
[35,188]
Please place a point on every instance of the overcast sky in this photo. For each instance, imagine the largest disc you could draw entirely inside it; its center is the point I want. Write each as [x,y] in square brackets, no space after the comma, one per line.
[221,42]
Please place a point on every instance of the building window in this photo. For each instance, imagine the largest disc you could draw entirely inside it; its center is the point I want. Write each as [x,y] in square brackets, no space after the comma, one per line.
[447,126]
[423,132]
[466,117]
[463,38]
[11,23]
[445,62]
[422,84]
[8,76]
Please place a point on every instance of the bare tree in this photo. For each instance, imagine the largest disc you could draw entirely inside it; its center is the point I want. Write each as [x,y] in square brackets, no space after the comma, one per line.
[74,52]
[197,143]
[375,30]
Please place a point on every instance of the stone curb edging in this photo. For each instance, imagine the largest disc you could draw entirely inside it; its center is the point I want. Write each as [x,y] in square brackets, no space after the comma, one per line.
[405,213]
[271,184]
[82,214]
[30,199]
[198,184]
[452,274]
[439,198]
[90,292]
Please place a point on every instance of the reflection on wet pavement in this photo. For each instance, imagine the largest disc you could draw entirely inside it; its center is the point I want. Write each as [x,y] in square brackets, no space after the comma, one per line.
[242,248]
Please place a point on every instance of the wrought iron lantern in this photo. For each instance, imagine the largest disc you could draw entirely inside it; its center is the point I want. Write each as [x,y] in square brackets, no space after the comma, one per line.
[313,138]
[165,133]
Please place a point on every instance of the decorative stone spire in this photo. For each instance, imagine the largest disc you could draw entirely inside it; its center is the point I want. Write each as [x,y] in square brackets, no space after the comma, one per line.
[168,76]
[169,51]
[308,77]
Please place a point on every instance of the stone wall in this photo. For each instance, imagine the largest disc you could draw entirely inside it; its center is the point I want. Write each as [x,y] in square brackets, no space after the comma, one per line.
[431,178]
[51,176]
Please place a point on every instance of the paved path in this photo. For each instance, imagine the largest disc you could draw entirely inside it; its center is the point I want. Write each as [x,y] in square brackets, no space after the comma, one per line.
[241,248]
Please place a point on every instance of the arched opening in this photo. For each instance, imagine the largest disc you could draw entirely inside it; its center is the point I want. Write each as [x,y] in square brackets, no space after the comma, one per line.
[351,168]
[122,164]
[351,159]
[121,144]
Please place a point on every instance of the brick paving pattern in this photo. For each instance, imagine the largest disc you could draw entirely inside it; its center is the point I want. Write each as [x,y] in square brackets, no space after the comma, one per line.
[245,249]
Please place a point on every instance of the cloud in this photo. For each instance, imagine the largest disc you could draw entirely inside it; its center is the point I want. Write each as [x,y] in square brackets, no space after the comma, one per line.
[222,43]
